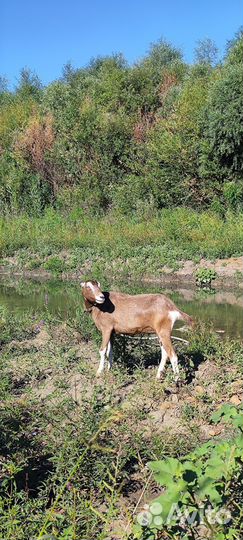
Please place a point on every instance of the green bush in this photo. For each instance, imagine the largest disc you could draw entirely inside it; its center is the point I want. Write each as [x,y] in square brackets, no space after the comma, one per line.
[233,194]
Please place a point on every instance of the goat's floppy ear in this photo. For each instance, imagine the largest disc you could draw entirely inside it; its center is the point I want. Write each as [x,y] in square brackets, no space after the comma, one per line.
[82,283]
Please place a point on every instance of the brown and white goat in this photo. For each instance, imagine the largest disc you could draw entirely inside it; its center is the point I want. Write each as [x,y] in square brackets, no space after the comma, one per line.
[115,312]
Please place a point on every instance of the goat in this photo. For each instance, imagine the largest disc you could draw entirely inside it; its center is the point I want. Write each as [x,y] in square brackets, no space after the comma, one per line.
[115,312]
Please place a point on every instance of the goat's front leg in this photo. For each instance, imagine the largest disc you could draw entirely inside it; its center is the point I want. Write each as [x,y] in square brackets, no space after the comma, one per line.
[103,351]
[109,354]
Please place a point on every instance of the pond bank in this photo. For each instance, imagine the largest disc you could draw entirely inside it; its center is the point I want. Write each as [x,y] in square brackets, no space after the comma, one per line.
[229,272]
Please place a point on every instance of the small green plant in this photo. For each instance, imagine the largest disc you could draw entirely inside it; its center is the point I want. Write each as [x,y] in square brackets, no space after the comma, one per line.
[202,488]
[189,412]
[205,276]
[238,276]
[55,265]
[233,194]
[34,263]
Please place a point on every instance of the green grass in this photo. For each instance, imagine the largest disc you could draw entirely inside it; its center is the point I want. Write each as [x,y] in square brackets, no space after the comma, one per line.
[74,449]
[115,245]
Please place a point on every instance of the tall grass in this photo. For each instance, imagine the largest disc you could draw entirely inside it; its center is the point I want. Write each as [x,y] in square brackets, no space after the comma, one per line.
[170,236]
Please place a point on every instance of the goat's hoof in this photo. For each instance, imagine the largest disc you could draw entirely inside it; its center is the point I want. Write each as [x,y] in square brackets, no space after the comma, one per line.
[99,373]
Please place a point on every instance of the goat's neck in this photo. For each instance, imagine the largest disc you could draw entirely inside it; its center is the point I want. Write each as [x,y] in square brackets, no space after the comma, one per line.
[88,305]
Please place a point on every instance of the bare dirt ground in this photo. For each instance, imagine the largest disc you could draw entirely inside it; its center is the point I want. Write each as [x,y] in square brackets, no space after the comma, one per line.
[163,408]
[229,272]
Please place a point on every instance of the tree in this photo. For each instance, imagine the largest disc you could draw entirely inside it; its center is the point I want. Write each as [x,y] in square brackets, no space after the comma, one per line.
[5,95]
[206,52]
[114,61]
[29,84]
[232,42]
[3,85]
[161,54]
[234,48]
[223,131]
[68,72]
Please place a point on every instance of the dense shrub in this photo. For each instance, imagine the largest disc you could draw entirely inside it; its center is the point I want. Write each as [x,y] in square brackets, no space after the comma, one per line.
[135,138]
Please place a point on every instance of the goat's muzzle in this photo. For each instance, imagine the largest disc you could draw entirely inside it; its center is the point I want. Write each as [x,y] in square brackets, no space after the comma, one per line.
[100,299]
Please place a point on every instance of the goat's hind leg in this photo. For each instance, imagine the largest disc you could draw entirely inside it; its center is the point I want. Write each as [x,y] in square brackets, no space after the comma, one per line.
[161,367]
[168,347]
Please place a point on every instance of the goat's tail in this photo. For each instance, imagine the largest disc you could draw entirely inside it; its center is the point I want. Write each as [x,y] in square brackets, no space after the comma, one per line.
[189,320]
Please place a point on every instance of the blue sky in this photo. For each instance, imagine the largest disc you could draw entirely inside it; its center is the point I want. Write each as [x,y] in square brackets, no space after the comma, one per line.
[44,35]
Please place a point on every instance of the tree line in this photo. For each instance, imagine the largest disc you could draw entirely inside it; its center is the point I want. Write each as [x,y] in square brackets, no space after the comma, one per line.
[129,138]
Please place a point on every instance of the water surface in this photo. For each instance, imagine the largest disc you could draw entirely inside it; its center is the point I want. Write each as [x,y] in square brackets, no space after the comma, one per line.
[224,309]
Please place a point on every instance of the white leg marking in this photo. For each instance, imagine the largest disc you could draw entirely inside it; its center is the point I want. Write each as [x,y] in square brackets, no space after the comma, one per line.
[174,316]
[161,367]
[102,363]
[174,363]
[109,355]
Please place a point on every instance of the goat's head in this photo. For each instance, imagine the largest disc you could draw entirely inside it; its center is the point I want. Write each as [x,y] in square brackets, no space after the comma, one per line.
[92,292]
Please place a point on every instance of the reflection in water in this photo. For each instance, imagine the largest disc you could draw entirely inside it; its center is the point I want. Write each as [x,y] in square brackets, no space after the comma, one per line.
[224,309]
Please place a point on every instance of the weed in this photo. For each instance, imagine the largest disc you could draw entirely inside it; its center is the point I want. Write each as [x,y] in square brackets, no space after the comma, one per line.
[205,276]
[55,265]
[120,247]
[203,487]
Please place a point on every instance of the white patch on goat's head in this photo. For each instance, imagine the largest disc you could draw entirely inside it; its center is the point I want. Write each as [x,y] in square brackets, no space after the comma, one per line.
[90,285]
[94,288]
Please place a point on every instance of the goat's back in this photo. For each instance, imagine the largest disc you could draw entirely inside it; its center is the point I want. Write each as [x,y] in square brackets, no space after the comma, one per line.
[141,301]
[139,313]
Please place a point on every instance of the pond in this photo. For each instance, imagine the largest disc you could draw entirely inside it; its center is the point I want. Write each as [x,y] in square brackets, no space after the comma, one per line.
[223,309]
